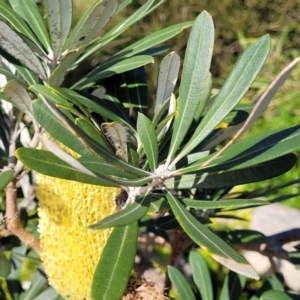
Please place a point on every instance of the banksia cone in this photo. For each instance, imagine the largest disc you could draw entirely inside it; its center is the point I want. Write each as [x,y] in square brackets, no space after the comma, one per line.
[70,250]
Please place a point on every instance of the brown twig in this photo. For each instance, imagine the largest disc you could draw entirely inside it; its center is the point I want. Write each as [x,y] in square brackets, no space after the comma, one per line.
[12,220]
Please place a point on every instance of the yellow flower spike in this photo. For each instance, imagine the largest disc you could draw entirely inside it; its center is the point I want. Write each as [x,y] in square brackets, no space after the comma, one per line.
[70,250]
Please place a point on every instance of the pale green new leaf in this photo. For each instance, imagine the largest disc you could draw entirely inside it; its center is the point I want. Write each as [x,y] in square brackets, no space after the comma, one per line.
[167,78]
[16,47]
[203,236]
[115,265]
[133,212]
[183,289]
[29,12]
[59,13]
[146,132]
[201,275]
[18,96]
[194,80]
[91,23]
[236,85]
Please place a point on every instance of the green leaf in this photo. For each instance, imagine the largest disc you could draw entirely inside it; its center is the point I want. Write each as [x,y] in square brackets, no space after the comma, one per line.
[12,18]
[16,47]
[201,235]
[29,12]
[4,264]
[195,78]
[56,128]
[5,178]
[201,275]
[51,94]
[158,205]
[231,177]
[224,203]
[236,85]
[254,150]
[113,270]
[232,287]
[46,163]
[98,166]
[91,23]
[27,75]
[276,295]
[167,77]
[148,138]
[180,284]
[59,13]
[118,68]
[142,45]
[131,213]
[38,283]
[49,294]
[18,96]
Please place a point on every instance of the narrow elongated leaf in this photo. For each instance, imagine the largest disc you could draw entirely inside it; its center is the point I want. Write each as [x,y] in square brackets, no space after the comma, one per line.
[201,275]
[100,167]
[226,203]
[50,94]
[16,47]
[232,287]
[236,85]
[167,77]
[59,13]
[12,18]
[261,104]
[118,68]
[18,96]
[148,138]
[91,23]
[234,177]
[131,213]
[29,76]
[5,178]
[4,264]
[116,262]
[201,235]
[195,78]
[49,293]
[29,12]
[47,163]
[183,289]
[89,144]
[142,45]
[56,128]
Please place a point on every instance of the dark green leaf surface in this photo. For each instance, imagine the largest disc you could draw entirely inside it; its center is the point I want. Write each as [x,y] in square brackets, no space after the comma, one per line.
[236,85]
[195,78]
[183,289]
[115,265]
[231,177]
[131,213]
[5,178]
[4,265]
[203,236]
[47,163]
[148,138]
[29,12]
[232,287]
[201,275]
